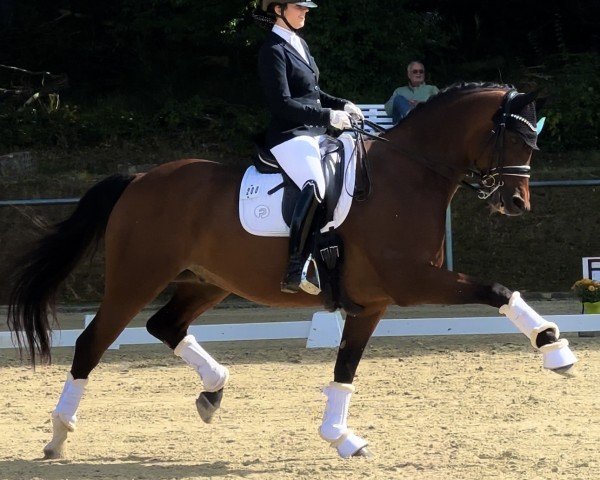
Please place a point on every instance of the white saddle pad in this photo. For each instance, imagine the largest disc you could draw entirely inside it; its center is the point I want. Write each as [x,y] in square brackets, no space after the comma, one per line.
[260,213]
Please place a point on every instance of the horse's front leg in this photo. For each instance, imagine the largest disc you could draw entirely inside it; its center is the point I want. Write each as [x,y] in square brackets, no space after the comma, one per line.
[432,285]
[543,335]
[334,428]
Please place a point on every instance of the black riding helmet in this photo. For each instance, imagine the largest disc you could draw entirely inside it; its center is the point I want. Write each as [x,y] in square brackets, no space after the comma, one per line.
[265,3]
[283,3]
[265,16]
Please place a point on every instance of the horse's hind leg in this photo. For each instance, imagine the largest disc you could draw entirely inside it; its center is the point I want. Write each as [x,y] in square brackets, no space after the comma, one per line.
[120,304]
[170,325]
[334,429]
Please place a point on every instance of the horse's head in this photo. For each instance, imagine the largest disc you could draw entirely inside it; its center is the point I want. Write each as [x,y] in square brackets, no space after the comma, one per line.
[504,168]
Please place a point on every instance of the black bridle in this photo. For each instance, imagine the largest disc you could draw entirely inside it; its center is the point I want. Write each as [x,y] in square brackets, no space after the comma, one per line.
[489,179]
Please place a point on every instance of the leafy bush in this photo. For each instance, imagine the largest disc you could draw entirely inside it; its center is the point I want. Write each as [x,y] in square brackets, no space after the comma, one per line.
[69,126]
[572,86]
[186,68]
[212,120]
[363,49]
[111,121]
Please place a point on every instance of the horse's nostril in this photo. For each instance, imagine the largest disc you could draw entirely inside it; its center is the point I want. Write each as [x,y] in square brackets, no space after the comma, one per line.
[518,202]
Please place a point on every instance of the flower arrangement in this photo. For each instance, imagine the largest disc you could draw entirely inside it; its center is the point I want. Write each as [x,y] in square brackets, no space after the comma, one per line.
[587,290]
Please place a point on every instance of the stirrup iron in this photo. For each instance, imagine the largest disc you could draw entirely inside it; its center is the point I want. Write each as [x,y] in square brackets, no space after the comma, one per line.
[310,285]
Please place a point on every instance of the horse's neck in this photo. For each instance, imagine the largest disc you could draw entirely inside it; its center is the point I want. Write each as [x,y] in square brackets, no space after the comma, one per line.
[423,154]
[432,142]
[445,132]
[427,155]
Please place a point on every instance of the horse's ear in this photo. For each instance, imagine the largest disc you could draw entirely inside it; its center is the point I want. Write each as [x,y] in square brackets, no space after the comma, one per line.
[521,100]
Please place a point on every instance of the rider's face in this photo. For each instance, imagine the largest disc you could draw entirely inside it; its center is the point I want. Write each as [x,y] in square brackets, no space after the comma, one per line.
[294,14]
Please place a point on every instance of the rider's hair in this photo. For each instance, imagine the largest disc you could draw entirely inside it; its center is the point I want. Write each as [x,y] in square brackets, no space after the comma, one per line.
[266,19]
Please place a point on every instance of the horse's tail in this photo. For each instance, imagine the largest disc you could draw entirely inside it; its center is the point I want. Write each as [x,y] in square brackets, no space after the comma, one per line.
[39,273]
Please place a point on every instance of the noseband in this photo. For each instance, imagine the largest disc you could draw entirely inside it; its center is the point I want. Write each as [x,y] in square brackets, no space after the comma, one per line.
[489,179]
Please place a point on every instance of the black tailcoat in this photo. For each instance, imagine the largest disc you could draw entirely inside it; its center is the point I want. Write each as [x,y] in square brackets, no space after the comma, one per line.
[291,86]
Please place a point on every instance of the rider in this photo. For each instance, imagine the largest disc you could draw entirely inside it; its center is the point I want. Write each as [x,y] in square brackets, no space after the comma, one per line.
[300,114]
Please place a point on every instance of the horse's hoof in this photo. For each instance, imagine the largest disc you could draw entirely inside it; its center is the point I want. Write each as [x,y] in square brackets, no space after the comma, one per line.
[363,452]
[208,403]
[55,448]
[51,453]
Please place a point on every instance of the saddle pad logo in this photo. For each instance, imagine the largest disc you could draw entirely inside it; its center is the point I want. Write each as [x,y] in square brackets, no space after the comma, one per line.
[252,191]
[262,211]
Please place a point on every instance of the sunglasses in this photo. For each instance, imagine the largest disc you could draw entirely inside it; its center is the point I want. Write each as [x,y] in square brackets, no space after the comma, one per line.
[417,71]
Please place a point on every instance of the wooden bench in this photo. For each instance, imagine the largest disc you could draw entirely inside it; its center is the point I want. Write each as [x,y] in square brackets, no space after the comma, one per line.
[376,114]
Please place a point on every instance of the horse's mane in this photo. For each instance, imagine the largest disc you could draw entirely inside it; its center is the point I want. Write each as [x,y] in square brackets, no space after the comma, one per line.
[454,90]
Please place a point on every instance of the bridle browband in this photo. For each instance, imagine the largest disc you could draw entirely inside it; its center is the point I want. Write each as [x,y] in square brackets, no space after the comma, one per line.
[488,180]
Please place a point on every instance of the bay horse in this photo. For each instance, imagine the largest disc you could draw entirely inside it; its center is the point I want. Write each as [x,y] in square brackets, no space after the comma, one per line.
[180,221]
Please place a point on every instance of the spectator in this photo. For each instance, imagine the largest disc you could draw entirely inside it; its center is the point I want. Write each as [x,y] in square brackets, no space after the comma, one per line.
[404,99]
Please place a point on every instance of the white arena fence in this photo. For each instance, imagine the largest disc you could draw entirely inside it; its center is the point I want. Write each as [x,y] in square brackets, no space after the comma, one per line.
[324,330]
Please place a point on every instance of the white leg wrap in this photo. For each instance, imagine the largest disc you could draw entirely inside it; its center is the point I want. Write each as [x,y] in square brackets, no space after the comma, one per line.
[526,319]
[214,375]
[334,428]
[557,354]
[68,403]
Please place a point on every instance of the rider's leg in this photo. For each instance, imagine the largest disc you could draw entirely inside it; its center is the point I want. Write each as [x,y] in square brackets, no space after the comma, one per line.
[300,229]
[300,158]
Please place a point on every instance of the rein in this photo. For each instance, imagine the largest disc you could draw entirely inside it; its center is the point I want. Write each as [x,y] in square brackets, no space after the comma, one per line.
[363,158]
[363,193]
[488,180]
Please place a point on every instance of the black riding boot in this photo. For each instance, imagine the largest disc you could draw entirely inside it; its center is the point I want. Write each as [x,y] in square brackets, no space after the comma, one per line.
[300,228]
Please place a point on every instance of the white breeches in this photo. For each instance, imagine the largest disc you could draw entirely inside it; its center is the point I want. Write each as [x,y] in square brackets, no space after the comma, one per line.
[300,158]
[214,375]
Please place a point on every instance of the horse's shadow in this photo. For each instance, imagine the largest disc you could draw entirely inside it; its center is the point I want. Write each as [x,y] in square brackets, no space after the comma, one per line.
[131,466]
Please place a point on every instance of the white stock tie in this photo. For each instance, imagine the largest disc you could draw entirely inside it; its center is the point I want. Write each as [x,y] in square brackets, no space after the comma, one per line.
[297,44]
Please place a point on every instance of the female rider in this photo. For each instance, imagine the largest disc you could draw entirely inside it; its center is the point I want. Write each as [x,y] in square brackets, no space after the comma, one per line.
[300,114]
